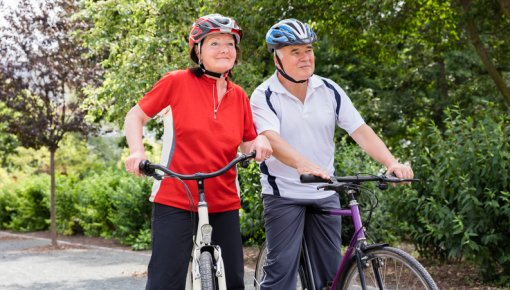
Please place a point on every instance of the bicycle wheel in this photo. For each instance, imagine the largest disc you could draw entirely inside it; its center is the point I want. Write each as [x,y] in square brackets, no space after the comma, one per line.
[206,268]
[388,268]
[259,269]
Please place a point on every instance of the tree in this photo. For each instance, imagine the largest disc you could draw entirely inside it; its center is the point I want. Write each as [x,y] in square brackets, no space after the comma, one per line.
[136,43]
[42,73]
[482,52]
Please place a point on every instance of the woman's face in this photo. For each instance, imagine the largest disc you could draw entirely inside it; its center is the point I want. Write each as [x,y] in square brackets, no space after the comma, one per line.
[218,52]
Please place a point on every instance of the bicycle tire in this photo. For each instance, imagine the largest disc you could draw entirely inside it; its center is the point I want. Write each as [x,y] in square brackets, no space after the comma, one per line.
[206,268]
[397,268]
[259,270]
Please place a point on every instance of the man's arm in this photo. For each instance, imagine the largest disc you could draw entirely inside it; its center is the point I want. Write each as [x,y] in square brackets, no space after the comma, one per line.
[375,147]
[289,156]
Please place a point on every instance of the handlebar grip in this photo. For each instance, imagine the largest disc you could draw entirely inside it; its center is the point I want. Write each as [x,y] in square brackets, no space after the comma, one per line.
[144,167]
[393,178]
[248,156]
[309,178]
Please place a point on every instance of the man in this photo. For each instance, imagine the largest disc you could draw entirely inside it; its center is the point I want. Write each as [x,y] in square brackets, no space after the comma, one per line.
[297,111]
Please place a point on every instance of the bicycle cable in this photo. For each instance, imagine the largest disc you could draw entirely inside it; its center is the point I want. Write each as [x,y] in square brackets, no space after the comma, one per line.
[191,202]
[365,191]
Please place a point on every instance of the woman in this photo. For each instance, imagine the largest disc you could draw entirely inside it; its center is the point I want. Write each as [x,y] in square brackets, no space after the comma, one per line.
[207,118]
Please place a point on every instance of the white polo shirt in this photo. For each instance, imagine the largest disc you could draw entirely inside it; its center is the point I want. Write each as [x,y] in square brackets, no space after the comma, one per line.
[309,128]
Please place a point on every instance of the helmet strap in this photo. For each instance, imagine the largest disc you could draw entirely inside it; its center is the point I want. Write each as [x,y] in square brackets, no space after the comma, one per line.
[214,74]
[283,73]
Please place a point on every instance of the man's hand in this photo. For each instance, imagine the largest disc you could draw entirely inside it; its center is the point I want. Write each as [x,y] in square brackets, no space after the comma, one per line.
[305,166]
[401,170]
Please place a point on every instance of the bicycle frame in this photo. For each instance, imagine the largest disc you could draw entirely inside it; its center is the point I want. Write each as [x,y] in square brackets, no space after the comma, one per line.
[358,239]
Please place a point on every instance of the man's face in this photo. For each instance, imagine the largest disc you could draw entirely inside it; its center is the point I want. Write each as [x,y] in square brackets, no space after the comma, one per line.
[298,61]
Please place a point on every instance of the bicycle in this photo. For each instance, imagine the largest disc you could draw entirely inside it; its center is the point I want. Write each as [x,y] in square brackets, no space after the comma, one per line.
[364,265]
[205,270]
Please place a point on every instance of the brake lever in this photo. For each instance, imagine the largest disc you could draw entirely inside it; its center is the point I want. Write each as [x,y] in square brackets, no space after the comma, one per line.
[327,187]
[245,163]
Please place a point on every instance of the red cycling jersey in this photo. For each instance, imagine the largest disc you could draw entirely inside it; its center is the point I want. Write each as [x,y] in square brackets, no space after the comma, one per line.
[201,135]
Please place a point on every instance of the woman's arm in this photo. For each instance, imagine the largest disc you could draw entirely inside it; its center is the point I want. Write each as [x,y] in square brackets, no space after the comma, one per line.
[133,128]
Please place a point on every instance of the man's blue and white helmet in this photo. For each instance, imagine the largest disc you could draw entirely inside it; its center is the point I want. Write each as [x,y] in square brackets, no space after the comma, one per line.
[289,32]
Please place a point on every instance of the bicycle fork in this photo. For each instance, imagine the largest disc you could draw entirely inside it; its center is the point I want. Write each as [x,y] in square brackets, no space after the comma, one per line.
[362,261]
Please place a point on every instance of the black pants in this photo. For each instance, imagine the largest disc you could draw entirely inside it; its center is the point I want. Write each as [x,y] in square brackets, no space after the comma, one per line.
[172,243]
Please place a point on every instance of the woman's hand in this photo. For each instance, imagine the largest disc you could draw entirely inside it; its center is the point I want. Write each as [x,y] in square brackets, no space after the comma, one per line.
[133,161]
[262,146]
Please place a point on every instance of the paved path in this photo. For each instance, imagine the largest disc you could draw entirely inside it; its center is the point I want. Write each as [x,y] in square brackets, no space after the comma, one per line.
[27,263]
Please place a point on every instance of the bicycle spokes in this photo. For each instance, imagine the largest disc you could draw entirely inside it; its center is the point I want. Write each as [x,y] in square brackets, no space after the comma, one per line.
[388,269]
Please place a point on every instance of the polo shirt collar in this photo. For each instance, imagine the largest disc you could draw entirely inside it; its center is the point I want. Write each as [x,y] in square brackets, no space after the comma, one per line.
[275,85]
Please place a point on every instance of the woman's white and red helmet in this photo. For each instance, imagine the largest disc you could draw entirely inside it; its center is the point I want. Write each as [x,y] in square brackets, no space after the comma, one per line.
[210,24]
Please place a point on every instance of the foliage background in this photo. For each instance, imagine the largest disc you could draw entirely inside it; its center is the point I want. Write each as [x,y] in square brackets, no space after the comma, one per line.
[412,68]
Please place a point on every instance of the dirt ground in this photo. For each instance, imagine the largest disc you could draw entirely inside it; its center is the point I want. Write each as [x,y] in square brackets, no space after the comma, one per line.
[447,276]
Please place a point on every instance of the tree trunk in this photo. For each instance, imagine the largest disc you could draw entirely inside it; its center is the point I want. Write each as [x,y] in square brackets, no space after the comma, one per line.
[442,88]
[483,54]
[53,209]
[505,6]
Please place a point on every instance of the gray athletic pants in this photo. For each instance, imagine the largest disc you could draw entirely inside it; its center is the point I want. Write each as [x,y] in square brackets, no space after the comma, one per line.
[286,221]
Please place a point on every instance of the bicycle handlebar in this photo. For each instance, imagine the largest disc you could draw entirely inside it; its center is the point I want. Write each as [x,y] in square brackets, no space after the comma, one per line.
[336,182]
[308,178]
[149,169]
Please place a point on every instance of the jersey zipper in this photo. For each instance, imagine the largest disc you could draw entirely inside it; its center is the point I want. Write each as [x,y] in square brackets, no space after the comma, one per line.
[216,108]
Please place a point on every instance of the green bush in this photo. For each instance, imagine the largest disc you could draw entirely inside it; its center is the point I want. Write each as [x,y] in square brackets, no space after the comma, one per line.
[66,201]
[94,203]
[113,204]
[461,208]
[28,204]
[251,214]
[8,202]
[131,210]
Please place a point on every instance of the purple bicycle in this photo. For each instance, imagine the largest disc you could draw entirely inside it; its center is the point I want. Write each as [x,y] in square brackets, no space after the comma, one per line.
[364,265]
